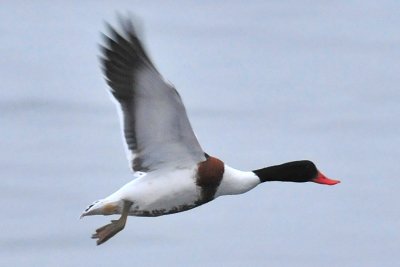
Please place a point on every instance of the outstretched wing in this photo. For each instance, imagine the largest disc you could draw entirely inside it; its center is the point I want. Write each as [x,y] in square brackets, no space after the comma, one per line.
[155,125]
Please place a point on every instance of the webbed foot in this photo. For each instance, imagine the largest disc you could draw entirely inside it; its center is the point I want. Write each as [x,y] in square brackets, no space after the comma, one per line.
[107,231]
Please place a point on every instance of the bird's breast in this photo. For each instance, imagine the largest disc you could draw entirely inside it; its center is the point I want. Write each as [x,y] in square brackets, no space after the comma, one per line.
[171,192]
[209,177]
[176,191]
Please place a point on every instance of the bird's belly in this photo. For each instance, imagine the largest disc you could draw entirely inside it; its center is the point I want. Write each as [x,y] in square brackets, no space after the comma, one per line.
[156,197]
[166,203]
[159,209]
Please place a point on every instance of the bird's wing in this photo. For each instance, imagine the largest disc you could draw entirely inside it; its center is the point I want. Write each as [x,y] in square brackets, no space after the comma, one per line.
[155,125]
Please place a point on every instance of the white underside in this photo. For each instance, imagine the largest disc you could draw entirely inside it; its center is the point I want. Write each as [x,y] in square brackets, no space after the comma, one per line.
[159,190]
[166,190]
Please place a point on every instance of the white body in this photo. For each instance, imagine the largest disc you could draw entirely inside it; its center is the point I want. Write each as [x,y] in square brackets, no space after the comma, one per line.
[169,191]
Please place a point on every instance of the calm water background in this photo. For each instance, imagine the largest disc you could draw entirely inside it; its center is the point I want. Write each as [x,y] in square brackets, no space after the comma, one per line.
[263,83]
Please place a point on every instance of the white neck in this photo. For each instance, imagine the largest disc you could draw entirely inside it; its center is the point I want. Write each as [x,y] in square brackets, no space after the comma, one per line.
[236,182]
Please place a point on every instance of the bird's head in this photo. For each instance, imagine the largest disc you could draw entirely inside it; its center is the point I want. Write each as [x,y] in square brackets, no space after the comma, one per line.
[295,171]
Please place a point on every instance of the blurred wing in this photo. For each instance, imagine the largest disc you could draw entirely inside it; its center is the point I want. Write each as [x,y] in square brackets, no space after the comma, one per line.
[155,125]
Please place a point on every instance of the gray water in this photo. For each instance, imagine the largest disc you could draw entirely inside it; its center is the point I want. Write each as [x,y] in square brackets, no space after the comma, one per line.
[263,83]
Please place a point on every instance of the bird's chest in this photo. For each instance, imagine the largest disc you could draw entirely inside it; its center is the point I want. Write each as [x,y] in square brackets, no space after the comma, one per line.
[181,191]
[161,196]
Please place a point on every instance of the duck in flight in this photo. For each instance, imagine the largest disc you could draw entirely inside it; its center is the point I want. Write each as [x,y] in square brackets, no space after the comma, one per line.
[171,171]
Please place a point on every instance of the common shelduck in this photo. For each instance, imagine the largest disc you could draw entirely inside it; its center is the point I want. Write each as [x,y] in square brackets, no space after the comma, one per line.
[172,173]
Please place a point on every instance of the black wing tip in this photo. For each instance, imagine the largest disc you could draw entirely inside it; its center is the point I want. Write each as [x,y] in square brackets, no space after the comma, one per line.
[123,40]
[124,35]
[128,26]
[127,22]
[121,54]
